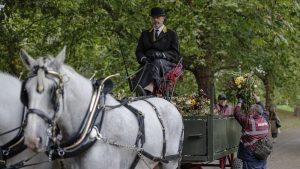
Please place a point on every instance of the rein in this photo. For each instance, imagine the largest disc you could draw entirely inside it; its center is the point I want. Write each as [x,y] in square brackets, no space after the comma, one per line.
[15,145]
[22,163]
[9,131]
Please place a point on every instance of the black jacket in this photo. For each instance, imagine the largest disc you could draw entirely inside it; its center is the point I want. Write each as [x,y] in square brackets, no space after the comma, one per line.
[167,42]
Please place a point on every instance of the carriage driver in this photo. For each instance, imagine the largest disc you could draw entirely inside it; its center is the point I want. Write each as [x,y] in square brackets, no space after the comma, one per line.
[157,50]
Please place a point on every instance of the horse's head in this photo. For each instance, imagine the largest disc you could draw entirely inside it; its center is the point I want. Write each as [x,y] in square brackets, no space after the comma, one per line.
[42,93]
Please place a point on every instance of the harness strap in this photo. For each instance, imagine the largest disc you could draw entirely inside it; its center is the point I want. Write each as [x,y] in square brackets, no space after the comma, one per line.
[2,162]
[166,159]
[41,114]
[15,145]
[135,162]
[162,126]
[141,133]
[140,117]
[9,131]
[62,165]
[154,158]
[127,100]
[22,164]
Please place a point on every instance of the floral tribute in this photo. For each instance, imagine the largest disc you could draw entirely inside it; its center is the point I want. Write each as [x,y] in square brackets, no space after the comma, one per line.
[243,87]
[193,105]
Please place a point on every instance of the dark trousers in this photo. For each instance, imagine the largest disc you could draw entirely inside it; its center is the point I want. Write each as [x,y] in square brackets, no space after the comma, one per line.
[152,72]
[255,165]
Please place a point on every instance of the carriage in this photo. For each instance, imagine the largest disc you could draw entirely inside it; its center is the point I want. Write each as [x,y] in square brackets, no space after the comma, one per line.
[209,138]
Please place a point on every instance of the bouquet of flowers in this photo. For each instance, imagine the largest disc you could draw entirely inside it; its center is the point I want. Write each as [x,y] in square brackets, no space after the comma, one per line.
[242,87]
[193,105]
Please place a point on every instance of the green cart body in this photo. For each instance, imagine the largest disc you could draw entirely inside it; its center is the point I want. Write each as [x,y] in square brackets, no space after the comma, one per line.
[208,138]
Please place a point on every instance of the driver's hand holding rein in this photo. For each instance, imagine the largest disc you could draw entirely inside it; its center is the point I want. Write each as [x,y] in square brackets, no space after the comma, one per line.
[159,47]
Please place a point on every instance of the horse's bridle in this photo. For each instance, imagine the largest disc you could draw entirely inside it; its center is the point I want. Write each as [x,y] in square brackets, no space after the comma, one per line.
[59,87]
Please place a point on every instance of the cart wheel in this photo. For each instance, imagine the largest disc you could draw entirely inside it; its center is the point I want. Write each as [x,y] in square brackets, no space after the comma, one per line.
[237,164]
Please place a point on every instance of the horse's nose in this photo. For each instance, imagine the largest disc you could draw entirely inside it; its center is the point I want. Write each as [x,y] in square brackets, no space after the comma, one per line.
[34,143]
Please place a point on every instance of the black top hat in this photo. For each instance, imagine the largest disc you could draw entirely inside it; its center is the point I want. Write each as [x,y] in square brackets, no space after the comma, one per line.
[222,97]
[156,11]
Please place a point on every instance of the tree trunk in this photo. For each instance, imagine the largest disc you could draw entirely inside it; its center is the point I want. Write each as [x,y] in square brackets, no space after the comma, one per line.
[269,89]
[204,78]
[297,111]
[11,55]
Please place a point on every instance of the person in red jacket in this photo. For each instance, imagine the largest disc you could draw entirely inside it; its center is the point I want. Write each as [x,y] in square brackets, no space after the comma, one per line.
[254,127]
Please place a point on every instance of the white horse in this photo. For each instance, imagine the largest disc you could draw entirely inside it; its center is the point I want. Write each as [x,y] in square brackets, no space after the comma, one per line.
[11,112]
[114,148]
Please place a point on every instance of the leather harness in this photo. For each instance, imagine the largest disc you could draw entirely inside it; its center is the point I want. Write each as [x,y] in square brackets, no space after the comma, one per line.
[14,146]
[58,151]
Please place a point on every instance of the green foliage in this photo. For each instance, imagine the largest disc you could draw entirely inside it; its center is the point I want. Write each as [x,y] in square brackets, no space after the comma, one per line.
[215,36]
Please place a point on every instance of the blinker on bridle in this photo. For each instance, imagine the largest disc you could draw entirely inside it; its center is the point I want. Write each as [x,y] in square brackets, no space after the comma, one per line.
[41,68]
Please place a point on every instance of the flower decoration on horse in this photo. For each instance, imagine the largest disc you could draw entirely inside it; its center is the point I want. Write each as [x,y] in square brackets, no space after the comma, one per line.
[242,87]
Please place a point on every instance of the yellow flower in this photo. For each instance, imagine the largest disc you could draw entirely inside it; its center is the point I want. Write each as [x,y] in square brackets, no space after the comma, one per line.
[239,86]
[194,102]
[239,81]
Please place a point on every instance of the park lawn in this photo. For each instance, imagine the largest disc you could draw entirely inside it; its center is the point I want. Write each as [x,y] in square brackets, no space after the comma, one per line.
[286,115]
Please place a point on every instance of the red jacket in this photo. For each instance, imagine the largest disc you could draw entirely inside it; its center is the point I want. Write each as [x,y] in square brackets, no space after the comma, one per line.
[224,110]
[254,128]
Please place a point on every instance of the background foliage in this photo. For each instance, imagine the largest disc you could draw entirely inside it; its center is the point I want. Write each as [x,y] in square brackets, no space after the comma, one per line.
[216,36]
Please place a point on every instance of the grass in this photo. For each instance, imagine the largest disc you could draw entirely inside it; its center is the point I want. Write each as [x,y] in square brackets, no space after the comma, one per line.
[285,108]
[287,118]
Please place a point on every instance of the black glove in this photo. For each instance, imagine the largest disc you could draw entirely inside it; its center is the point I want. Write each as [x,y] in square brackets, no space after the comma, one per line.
[143,60]
[149,54]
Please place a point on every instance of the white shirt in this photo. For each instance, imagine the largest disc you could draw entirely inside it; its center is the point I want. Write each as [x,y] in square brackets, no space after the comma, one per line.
[159,29]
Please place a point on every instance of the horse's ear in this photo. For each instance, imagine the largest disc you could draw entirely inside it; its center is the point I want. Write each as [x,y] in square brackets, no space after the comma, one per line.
[62,55]
[27,59]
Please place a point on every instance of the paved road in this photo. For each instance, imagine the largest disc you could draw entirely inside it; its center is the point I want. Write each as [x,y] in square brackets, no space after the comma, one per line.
[286,152]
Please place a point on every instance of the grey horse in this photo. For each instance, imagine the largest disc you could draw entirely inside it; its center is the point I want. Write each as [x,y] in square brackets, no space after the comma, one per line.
[114,148]
[11,110]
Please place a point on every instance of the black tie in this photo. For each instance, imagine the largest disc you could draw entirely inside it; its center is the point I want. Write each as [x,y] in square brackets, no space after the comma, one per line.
[156,34]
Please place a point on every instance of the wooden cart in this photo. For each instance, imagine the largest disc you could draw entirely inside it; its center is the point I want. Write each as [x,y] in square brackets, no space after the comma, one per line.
[209,138]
